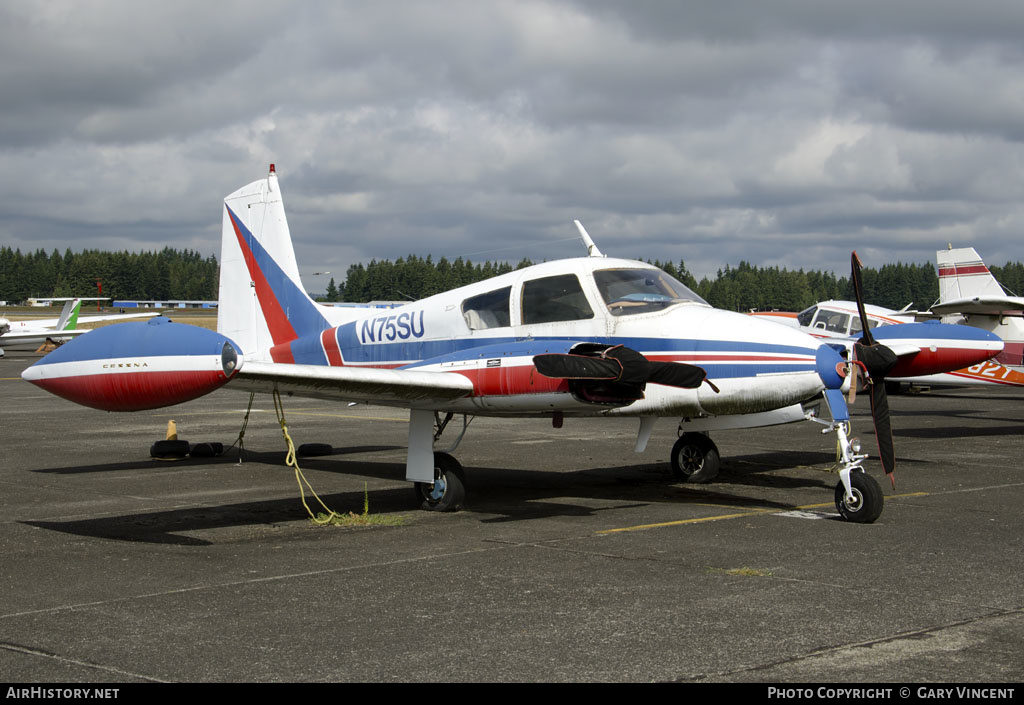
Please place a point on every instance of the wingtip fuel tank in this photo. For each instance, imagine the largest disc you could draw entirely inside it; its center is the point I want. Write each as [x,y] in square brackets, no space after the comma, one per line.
[137,366]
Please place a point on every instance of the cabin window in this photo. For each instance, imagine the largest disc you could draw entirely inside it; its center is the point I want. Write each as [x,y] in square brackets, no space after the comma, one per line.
[832,321]
[629,291]
[855,327]
[805,316]
[490,310]
[558,298]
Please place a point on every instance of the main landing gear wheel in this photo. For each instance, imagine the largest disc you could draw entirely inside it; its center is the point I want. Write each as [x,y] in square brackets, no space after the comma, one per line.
[866,503]
[448,490]
[695,458]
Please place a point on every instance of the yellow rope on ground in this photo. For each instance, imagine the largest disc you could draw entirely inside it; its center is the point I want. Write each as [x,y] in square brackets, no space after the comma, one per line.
[291,461]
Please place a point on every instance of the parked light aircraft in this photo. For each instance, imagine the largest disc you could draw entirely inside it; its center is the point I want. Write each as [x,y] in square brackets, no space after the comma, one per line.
[38,332]
[927,355]
[592,336]
[33,333]
[969,294]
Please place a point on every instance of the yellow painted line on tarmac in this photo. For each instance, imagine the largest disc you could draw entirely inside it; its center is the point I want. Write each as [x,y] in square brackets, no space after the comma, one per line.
[738,515]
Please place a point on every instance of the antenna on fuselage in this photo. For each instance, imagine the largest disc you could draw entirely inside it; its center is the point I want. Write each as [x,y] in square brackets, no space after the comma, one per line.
[592,250]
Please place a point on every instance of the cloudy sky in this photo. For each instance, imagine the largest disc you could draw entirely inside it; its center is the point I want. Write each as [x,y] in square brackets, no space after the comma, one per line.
[781,133]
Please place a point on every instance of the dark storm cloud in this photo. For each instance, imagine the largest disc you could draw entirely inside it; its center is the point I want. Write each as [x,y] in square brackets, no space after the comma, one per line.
[777,133]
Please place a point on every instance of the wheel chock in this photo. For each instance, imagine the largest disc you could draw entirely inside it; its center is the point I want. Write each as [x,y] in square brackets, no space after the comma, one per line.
[170,448]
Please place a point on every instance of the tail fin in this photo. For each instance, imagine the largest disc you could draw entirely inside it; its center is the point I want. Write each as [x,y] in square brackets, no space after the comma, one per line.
[962,275]
[69,315]
[262,300]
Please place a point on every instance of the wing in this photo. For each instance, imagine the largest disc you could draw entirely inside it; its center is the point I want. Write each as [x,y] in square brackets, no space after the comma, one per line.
[991,305]
[11,337]
[84,320]
[902,349]
[404,388]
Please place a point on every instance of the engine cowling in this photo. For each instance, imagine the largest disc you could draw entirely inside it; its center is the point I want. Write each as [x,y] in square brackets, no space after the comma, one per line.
[138,365]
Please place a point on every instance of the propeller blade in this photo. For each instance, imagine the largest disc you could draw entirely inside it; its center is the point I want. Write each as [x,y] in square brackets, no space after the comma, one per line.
[883,429]
[678,374]
[858,294]
[877,360]
[635,367]
[577,367]
[620,364]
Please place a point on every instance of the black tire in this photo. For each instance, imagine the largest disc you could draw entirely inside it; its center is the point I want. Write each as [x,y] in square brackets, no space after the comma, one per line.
[313,450]
[169,450]
[695,458]
[868,499]
[894,387]
[448,490]
[206,450]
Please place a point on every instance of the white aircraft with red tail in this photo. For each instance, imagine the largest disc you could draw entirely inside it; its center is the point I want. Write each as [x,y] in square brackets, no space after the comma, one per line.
[593,336]
[969,294]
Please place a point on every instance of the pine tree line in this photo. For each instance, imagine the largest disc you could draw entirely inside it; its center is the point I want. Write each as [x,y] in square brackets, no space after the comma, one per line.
[740,288]
[1011,277]
[411,278]
[174,274]
[746,287]
[168,274]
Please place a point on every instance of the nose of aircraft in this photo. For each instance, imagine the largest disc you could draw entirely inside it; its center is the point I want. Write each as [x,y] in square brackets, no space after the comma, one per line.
[768,366]
[827,363]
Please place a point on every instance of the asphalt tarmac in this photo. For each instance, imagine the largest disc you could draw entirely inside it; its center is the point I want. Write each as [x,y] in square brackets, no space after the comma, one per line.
[574,560]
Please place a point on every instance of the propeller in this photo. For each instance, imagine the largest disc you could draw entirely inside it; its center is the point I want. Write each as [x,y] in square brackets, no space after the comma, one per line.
[622,365]
[877,360]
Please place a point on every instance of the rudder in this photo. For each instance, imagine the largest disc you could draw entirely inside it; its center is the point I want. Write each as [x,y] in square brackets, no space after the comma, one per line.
[963,274]
[262,302]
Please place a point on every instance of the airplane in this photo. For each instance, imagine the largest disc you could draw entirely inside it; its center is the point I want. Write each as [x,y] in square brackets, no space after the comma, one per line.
[38,332]
[56,331]
[925,358]
[970,295]
[589,336]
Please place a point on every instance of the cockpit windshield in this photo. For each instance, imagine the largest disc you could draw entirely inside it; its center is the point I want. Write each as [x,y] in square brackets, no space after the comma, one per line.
[630,291]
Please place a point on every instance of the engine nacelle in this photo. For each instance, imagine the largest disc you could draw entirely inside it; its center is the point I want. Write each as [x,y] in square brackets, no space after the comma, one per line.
[942,348]
[139,365]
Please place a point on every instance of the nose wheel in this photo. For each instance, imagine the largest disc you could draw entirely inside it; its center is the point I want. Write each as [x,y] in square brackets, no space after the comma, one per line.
[863,504]
[695,458]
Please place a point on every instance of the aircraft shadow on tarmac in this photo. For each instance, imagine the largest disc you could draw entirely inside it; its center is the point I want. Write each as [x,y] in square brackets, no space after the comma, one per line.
[229,457]
[961,431]
[955,428]
[502,494]
[980,396]
[173,526]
